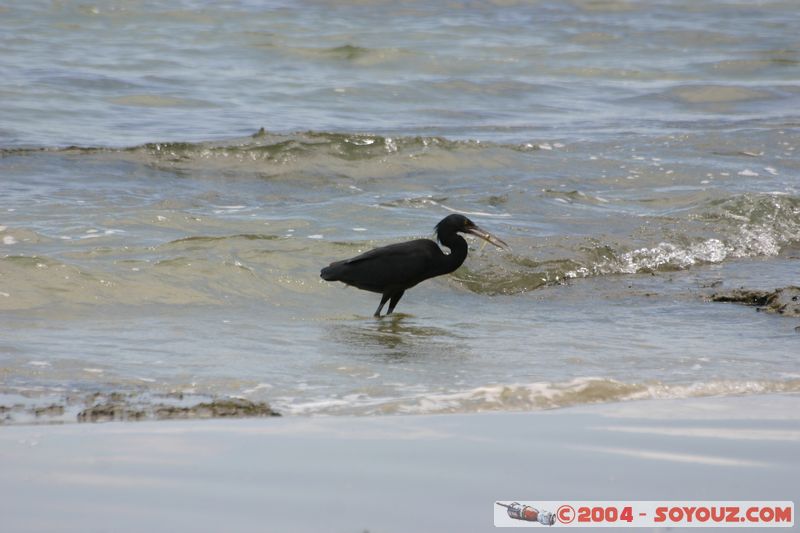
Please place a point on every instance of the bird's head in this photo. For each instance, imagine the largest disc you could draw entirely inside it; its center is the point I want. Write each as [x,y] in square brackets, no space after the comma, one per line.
[456,223]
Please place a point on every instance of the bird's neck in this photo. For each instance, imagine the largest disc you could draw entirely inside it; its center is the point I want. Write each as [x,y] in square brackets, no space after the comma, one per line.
[458,252]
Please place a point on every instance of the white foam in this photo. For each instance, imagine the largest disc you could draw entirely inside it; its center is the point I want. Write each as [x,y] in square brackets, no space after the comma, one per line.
[709,251]
[527,396]
[258,387]
[361,142]
[750,240]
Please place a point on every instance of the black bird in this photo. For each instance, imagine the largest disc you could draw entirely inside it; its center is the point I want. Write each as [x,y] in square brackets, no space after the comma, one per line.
[390,270]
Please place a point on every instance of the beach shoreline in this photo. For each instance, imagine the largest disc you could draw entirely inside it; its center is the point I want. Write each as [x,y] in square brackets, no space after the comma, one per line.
[392,473]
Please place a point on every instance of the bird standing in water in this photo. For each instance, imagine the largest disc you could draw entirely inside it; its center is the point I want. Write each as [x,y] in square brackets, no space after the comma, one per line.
[390,270]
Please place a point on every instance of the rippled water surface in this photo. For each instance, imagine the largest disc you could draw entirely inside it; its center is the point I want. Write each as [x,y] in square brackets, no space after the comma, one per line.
[173,175]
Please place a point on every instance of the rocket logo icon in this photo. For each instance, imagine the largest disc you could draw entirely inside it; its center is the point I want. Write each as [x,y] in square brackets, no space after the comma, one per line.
[527,513]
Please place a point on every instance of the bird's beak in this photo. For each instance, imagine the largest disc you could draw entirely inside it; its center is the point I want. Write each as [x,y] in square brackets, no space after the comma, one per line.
[488,237]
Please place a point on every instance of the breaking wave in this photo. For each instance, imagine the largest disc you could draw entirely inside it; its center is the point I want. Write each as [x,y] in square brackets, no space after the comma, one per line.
[328,152]
[750,225]
[532,396]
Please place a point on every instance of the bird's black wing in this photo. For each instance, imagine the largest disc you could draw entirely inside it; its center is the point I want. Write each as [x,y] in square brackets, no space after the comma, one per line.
[397,266]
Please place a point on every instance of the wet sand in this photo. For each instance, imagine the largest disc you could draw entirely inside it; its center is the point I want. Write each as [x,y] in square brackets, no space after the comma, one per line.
[392,473]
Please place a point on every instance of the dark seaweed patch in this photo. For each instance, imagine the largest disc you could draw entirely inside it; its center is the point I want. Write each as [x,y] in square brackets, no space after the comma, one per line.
[785,301]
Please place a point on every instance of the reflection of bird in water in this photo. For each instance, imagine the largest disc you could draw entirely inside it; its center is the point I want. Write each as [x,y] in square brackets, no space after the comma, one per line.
[399,337]
[390,270]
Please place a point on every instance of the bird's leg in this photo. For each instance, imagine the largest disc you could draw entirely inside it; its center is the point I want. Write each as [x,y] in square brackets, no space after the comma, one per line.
[395,299]
[384,299]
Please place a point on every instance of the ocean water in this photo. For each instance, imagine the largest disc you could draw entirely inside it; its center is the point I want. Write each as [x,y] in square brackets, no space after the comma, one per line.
[173,175]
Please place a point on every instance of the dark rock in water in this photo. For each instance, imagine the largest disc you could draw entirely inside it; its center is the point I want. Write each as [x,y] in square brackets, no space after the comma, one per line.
[49,411]
[121,409]
[132,406]
[110,411]
[785,301]
[225,408]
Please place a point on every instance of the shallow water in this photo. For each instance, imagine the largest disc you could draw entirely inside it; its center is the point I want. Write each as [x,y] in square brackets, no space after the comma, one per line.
[155,244]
